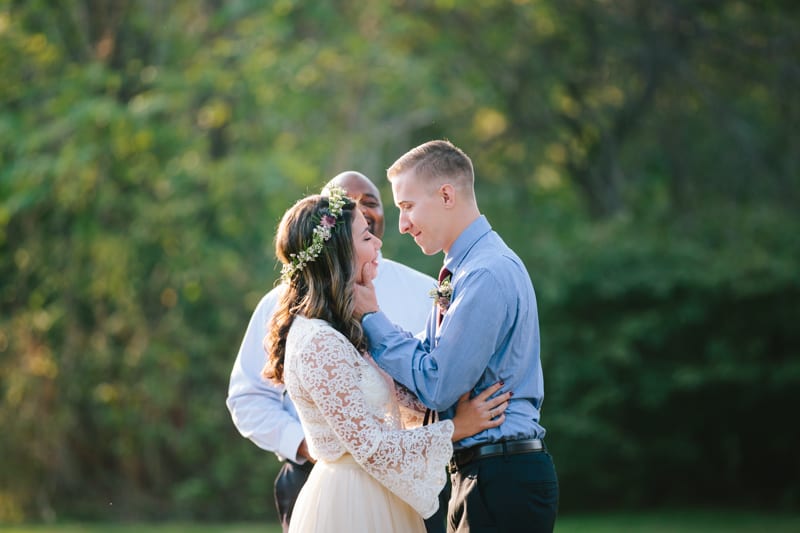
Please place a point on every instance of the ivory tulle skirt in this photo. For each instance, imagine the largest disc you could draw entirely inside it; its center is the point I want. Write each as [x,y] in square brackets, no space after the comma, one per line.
[341,497]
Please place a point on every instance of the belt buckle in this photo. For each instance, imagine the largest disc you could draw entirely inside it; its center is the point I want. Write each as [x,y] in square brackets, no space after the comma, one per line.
[460,458]
[452,466]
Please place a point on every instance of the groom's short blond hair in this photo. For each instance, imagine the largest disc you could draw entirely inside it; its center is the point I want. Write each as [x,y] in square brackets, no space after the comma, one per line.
[436,162]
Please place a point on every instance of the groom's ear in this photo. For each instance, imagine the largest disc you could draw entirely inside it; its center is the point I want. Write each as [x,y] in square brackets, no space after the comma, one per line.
[448,195]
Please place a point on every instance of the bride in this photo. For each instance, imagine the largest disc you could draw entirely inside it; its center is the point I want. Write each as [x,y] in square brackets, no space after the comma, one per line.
[377,469]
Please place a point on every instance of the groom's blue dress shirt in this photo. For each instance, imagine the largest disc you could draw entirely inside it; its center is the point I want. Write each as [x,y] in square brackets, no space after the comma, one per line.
[489,333]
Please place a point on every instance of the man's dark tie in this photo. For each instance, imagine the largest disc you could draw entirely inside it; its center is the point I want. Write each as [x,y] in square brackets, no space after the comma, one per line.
[430,415]
[443,273]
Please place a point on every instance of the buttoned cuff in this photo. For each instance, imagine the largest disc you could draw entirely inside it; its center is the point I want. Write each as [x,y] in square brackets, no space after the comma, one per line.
[377,325]
[366,315]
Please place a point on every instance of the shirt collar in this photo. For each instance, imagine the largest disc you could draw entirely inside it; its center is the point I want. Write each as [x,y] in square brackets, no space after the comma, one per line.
[464,243]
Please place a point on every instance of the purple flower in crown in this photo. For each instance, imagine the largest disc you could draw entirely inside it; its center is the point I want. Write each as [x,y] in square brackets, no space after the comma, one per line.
[328,221]
[322,233]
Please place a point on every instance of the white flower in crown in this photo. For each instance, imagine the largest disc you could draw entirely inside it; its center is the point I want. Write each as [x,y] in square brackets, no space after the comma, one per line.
[322,233]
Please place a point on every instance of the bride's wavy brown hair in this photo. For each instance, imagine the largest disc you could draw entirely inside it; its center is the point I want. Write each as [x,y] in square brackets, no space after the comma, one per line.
[323,289]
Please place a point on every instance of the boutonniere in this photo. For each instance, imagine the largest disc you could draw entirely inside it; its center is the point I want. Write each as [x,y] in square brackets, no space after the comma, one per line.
[442,293]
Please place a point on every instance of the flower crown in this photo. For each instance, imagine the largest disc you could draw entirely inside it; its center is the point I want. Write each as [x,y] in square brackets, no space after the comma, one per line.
[322,232]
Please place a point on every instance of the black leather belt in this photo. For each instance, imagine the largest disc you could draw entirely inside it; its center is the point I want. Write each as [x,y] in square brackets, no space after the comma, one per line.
[481,451]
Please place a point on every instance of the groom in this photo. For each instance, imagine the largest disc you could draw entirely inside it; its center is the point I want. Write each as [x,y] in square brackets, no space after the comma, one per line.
[486,330]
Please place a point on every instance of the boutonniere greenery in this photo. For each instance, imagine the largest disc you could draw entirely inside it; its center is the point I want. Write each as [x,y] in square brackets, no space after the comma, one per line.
[442,293]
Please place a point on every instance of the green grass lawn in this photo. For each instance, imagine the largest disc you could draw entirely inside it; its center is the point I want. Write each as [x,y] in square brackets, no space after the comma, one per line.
[723,520]
[163,527]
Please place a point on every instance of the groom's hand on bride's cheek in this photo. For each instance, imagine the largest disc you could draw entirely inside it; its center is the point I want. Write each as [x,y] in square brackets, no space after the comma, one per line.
[368,273]
[365,299]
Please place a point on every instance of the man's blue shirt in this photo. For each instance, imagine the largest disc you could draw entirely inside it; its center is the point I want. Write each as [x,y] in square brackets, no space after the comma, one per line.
[489,333]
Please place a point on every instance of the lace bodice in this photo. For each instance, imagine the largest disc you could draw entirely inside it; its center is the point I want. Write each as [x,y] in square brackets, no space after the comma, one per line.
[348,405]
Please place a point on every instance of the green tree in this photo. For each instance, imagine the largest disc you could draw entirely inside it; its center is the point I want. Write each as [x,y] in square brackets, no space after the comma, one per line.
[642,159]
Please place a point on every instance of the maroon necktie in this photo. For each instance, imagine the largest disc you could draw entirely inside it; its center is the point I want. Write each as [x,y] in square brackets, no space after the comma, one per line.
[430,415]
[443,273]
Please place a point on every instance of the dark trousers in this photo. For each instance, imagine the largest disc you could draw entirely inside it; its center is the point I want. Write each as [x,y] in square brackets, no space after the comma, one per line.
[438,522]
[290,480]
[505,494]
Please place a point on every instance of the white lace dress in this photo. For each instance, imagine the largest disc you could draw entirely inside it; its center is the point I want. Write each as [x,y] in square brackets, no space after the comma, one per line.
[372,473]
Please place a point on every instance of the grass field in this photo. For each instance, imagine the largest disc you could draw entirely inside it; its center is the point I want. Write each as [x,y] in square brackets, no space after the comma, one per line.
[727,521]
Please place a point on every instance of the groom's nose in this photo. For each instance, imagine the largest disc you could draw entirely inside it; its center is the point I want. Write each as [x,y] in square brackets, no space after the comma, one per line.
[403,223]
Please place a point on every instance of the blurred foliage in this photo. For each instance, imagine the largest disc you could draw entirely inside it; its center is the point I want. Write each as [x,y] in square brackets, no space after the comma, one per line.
[672,364]
[643,159]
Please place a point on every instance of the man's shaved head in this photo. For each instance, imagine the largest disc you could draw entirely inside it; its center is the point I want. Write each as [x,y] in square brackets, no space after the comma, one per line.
[361,189]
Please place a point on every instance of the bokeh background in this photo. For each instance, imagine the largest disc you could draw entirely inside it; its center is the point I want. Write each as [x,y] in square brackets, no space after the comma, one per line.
[643,158]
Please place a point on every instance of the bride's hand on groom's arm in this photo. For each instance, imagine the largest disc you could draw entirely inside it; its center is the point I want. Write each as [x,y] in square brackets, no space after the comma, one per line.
[481,412]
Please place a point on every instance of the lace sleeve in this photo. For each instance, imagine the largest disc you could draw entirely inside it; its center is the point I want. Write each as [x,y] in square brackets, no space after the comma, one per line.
[412,411]
[410,463]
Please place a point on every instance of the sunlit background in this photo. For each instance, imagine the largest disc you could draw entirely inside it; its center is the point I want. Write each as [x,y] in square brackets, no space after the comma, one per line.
[643,158]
